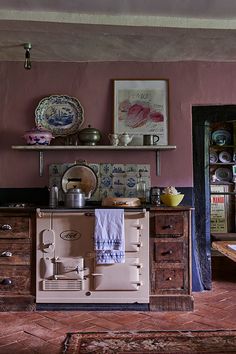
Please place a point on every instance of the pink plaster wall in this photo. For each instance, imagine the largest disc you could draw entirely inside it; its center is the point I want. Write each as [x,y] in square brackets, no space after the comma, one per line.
[193,83]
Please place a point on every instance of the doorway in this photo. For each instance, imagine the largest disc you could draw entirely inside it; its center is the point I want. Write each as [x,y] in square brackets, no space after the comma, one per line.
[202,118]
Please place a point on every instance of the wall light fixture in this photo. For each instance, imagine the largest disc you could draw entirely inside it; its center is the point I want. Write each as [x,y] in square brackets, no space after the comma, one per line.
[27,63]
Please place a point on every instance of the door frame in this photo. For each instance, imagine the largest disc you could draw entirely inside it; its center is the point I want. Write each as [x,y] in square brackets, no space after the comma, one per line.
[202,117]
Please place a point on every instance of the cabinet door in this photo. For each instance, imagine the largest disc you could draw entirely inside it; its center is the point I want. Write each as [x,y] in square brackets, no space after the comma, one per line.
[15,253]
[168,224]
[170,279]
[14,227]
[118,276]
[170,251]
[15,280]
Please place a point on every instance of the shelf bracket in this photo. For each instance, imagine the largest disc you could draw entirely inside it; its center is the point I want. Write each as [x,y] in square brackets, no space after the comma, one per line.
[158,163]
[41,163]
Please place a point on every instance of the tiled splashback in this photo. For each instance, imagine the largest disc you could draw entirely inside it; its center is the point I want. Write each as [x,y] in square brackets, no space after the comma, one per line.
[116,180]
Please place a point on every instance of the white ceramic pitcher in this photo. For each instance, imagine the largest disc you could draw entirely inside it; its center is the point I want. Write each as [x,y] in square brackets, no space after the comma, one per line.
[125,139]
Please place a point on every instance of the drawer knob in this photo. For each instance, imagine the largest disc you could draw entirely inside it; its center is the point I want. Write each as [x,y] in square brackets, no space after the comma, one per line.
[6,254]
[6,281]
[139,227]
[168,227]
[167,252]
[5,227]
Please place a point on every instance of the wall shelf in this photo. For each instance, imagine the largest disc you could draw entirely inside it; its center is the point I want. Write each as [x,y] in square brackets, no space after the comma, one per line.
[43,148]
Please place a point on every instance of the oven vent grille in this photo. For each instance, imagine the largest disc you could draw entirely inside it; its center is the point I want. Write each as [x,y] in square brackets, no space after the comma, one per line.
[65,284]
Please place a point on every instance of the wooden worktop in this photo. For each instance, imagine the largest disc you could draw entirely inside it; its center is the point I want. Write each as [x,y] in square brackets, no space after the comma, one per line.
[222,247]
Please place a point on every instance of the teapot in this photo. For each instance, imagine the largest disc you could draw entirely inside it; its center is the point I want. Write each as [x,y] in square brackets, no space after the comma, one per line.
[125,139]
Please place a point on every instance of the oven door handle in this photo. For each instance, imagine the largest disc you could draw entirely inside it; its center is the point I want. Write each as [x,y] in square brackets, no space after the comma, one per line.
[138,265]
[138,283]
[138,244]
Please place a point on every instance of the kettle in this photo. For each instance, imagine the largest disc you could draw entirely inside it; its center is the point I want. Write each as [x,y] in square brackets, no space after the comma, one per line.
[75,198]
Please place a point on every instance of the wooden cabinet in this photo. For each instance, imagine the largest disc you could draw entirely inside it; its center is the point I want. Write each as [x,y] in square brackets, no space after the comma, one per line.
[170,250]
[17,268]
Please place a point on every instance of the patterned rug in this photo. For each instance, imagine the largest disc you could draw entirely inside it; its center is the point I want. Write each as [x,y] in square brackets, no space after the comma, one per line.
[150,342]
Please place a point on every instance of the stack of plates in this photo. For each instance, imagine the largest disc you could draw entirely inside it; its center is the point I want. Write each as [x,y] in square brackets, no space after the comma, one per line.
[225,157]
[221,137]
[223,174]
[213,157]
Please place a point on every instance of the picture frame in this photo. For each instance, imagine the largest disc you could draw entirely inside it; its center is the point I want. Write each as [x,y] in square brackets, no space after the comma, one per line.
[141,108]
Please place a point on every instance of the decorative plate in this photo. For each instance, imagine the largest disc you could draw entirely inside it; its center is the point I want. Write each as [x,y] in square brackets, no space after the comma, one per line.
[225,157]
[62,115]
[213,157]
[221,137]
[223,174]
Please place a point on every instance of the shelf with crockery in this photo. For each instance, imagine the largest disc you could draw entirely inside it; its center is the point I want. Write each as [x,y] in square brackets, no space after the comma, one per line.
[222,163]
[42,148]
[222,150]
[92,147]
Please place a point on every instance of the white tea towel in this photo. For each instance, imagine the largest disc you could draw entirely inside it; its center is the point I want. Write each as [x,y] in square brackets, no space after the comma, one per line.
[109,236]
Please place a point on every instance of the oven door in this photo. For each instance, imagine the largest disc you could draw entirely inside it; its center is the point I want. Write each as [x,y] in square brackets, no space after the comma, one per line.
[118,276]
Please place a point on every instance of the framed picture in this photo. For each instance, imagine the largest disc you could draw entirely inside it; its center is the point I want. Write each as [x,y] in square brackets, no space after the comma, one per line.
[141,108]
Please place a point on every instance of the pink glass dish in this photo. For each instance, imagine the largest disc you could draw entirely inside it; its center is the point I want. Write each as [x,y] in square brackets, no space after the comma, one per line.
[38,137]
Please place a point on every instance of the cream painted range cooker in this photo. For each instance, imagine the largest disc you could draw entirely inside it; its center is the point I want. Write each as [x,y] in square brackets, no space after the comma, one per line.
[66,270]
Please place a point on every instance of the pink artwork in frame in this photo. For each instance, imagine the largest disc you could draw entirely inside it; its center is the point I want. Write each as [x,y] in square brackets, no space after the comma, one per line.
[141,107]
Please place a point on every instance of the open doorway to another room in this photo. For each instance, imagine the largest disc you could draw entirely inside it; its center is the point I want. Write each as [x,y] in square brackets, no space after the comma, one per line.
[214,187]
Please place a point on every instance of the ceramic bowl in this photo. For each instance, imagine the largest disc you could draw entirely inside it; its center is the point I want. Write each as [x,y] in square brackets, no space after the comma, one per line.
[172,199]
[38,137]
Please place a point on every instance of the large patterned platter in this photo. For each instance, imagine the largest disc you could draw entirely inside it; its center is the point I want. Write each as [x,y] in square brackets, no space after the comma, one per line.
[62,115]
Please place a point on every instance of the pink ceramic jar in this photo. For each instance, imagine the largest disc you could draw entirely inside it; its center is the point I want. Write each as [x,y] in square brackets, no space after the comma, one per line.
[38,136]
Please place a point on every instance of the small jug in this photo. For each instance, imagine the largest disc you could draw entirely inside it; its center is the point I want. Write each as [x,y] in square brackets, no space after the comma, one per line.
[114,139]
[150,139]
[125,139]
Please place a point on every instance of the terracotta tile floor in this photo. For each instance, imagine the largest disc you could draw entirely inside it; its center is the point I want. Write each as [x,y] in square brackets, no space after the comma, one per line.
[44,331]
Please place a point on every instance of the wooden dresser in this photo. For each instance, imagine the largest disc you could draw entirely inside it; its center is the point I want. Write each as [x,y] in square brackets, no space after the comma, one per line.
[170,257]
[17,285]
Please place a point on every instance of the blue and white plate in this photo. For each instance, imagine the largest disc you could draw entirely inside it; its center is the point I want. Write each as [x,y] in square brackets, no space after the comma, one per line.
[223,174]
[225,157]
[221,137]
[213,157]
[62,115]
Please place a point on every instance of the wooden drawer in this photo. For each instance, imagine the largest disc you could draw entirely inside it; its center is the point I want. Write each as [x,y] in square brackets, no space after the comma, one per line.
[20,253]
[19,277]
[169,279]
[14,227]
[168,224]
[169,251]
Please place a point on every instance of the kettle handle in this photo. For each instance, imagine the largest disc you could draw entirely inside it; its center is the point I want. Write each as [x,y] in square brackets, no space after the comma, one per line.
[89,195]
[74,180]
